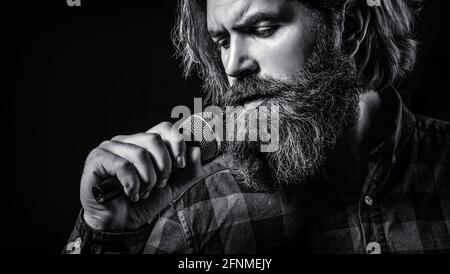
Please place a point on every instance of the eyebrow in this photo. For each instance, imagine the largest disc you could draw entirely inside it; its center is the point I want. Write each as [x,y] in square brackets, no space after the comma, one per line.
[284,14]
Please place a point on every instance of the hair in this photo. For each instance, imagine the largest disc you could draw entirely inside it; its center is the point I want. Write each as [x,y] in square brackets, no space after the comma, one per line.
[385,56]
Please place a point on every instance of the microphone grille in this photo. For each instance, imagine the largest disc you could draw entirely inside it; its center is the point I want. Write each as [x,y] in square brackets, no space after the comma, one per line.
[199,129]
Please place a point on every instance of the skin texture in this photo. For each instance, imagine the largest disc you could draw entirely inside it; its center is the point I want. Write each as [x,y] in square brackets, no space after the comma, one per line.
[275,43]
[264,38]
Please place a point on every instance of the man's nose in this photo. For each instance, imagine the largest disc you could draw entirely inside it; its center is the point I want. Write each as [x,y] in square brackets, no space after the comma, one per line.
[239,62]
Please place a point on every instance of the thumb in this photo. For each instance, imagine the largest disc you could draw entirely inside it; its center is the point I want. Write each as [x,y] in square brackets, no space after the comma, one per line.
[194,165]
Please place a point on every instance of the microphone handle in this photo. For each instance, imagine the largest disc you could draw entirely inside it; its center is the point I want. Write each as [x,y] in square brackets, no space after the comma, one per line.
[107,190]
[111,188]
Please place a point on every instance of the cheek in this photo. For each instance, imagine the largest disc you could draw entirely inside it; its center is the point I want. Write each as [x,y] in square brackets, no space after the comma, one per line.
[283,55]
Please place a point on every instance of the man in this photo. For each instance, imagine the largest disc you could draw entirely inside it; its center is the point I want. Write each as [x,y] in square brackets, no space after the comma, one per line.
[355,171]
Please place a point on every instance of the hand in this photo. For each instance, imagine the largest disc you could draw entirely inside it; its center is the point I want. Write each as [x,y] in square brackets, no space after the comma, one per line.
[143,164]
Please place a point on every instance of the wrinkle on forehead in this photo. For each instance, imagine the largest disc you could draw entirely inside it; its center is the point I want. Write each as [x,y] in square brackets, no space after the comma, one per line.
[222,13]
[226,13]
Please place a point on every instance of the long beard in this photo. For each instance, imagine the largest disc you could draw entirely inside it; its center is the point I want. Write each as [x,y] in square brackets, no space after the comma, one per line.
[317,107]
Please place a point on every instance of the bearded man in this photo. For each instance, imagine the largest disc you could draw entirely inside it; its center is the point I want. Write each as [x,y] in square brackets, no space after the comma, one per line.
[355,171]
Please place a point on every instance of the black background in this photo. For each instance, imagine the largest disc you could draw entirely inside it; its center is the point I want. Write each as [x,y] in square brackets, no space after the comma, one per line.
[76,76]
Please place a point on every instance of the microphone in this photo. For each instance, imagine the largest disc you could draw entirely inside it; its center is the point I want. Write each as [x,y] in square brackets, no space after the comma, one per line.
[198,128]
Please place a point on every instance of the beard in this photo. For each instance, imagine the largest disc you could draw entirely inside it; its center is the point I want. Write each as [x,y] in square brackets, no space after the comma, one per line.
[318,107]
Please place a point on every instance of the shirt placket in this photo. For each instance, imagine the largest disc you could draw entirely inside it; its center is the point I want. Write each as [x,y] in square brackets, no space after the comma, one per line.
[369,213]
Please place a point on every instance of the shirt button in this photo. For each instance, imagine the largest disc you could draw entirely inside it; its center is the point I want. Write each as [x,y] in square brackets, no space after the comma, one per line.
[368,200]
[96,249]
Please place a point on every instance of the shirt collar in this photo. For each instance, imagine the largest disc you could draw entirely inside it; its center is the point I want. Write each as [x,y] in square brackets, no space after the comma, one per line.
[401,127]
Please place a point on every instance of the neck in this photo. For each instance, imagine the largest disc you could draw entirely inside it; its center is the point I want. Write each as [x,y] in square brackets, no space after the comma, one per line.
[349,163]
[367,132]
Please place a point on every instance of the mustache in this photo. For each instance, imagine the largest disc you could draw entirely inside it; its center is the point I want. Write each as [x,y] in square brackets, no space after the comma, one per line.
[254,87]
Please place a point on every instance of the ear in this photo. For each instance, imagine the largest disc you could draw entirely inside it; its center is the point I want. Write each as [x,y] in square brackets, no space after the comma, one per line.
[354,26]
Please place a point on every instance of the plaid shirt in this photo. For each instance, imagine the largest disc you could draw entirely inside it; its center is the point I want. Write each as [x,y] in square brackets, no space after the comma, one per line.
[402,207]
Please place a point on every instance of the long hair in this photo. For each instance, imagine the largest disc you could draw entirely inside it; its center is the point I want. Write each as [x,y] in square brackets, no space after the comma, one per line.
[385,56]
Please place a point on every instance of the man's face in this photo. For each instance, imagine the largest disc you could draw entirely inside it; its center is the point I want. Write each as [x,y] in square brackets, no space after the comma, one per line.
[266,38]
[280,53]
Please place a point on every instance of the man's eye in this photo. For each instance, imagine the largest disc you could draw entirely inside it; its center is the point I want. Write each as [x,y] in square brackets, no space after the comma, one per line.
[264,32]
[222,43]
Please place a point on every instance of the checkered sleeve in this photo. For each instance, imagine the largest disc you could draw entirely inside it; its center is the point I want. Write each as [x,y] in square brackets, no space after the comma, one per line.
[169,234]
[85,240]
[174,230]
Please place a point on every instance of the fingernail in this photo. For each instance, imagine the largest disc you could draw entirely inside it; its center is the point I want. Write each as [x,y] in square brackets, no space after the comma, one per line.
[163,183]
[145,196]
[181,162]
[136,197]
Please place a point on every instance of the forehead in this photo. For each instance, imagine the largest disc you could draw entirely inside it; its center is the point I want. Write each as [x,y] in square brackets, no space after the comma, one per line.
[223,13]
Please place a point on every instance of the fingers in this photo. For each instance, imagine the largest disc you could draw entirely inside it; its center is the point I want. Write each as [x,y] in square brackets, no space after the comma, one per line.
[141,161]
[139,157]
[191,157]
[105,163]
[174,141]
[157,150]
[194,162]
